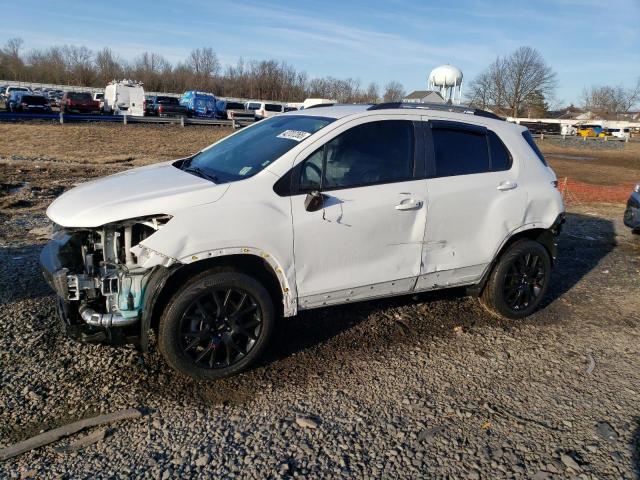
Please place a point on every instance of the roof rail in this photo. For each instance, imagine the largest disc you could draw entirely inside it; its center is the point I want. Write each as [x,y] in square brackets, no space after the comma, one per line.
[443,107]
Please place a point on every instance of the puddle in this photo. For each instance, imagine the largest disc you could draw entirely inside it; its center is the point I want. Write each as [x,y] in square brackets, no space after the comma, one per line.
[565,156]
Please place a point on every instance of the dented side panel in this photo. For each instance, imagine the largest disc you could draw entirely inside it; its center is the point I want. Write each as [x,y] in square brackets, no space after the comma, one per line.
[469,218]
[236,224]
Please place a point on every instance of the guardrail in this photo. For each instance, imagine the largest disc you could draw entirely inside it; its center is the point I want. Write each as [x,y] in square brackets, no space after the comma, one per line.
[124,119]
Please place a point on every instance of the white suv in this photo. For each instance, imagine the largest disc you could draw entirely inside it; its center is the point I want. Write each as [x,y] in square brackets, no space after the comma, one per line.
[319,207]
[264,109]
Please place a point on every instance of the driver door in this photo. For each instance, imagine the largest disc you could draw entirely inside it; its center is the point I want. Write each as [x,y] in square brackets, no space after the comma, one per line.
[365,238]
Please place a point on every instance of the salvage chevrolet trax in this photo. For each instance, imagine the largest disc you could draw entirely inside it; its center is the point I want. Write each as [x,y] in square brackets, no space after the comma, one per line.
[324,206]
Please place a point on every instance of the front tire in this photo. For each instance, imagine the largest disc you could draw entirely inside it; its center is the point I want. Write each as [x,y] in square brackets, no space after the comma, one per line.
[217,325]
[518,281]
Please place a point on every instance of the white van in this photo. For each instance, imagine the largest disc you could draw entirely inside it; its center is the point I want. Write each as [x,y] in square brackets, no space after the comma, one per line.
[264,109]
[621,133]
[124,97]
[311,102]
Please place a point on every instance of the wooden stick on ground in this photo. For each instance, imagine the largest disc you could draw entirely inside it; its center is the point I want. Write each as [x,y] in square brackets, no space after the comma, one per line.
[90,439]
[64,431]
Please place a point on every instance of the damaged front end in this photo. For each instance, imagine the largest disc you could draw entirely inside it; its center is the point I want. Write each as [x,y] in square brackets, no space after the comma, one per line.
[100,276]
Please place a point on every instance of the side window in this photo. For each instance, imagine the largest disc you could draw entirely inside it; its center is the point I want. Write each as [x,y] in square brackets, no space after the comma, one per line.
[311,171]
[459,152]
[375,152]
[529,139]
[500,156]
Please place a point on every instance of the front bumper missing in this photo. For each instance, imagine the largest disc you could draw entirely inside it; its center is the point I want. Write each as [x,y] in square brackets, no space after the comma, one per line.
[81,322]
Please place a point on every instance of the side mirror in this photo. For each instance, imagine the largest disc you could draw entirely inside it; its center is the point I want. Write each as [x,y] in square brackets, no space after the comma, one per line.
[313,201]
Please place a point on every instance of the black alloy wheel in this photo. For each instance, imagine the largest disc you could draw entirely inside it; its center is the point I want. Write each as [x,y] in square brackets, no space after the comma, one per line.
[220,327]
[216,325]
[518,281]
[524,281]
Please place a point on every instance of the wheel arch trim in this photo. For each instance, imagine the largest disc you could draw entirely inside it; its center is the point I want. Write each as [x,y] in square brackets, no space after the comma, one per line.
[289,296]
[546,236]
[161,275]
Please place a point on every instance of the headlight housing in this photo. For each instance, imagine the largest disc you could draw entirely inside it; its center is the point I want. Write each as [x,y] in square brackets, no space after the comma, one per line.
[637,188]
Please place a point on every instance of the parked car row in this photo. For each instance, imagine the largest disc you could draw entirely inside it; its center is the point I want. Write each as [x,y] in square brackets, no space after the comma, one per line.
[26,101]
[127,97]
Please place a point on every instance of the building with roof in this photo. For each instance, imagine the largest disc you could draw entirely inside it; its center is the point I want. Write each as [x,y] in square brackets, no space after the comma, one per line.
[423,96]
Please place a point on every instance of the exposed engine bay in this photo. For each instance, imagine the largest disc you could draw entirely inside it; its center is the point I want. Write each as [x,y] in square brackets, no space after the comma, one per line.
[100,275]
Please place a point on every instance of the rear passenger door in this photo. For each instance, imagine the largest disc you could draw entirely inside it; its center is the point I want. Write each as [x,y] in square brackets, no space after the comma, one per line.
[474,201]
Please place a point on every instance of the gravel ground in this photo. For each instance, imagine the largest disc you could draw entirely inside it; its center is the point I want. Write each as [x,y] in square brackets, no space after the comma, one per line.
[418,386]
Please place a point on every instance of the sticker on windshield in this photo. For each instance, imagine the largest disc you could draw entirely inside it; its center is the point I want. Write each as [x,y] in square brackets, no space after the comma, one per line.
[296,135]
[244,170]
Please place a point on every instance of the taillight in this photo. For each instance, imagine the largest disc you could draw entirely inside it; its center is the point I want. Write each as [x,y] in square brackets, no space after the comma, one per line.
[160,109]
[68,101]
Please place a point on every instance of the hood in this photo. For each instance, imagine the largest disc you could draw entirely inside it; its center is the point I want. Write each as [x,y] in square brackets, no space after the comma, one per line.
[151,190]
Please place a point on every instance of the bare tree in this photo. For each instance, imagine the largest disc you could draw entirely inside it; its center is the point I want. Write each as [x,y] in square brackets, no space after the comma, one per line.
[265,79]
[12,47]
[204,64]
[372,95]
[393,92]
[151,69]
[79,65]
[109,66]
[607,99]
[509,82]
[10,60]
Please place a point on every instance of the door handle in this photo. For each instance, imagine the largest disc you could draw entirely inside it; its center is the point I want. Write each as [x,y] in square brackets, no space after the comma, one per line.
[507,186]
[409,204]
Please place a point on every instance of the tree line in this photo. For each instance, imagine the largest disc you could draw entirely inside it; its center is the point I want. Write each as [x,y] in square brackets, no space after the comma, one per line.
[522,83]
[201,70]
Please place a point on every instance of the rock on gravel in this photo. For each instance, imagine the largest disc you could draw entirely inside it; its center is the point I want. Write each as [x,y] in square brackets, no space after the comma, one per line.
[606,431]
[306,422]
[569,462]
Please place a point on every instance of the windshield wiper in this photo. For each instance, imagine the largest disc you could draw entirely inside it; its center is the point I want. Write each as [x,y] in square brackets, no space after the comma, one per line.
[201,173]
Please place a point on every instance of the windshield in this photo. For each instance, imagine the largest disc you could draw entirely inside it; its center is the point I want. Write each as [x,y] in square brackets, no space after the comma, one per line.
[252,149]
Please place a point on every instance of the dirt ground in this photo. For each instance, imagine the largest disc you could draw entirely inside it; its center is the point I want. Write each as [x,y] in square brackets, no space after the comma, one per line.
[100,143]
[594,161]
[417,386]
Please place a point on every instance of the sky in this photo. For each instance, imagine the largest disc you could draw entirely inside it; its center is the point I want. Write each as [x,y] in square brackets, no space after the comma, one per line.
[586,42]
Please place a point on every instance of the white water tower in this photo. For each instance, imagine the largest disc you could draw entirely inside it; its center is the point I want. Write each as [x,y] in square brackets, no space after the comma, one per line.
[447,80]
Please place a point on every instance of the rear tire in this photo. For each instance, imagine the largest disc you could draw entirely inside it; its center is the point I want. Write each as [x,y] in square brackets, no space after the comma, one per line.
[216,325]
[518,281]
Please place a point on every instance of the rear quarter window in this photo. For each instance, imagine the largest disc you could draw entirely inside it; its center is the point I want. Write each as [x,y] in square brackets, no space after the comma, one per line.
[459,152]
[529,139]
[500,156]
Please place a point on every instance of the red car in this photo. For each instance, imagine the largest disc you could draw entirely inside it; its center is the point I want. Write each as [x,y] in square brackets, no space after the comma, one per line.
[79,102]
